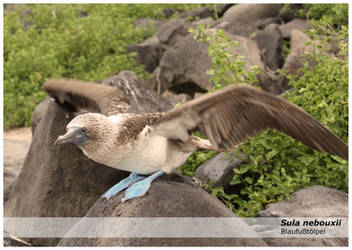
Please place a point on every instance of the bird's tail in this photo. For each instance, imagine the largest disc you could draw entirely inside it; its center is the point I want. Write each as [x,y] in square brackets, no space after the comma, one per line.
[201,143]
[205,144]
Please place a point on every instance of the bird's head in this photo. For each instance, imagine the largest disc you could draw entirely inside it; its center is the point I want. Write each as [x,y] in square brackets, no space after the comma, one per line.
[82,129]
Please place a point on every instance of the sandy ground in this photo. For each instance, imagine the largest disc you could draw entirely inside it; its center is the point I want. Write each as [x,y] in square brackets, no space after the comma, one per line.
[16,145]
[19,134]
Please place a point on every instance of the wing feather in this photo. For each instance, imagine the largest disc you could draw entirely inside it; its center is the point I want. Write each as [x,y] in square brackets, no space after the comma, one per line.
[231,115]
[92,97]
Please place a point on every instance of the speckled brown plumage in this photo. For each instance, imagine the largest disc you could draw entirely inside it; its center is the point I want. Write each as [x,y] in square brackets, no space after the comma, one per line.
[132,127]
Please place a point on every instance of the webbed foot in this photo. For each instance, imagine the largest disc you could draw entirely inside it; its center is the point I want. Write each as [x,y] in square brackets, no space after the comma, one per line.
[140,188]
[123,184]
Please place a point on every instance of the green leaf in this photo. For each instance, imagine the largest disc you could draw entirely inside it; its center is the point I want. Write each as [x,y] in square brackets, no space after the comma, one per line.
[271,154]
[236,171]
[249,180]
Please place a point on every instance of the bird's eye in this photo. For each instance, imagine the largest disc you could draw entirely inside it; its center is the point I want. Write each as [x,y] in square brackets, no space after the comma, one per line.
[84,130]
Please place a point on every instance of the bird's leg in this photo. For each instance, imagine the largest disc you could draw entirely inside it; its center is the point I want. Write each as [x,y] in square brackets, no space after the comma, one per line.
[140,188]
[123,184]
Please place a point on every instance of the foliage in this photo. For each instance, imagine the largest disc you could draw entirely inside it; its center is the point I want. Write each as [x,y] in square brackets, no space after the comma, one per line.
[331,14]
[80,41]
[195,160]
[276,164]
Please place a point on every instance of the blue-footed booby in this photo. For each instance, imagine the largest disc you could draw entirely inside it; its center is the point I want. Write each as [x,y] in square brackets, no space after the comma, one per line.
[156,143]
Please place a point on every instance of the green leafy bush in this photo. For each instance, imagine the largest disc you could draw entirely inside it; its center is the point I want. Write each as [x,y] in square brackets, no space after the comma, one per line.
[332,14]
[80,41]
[195,160]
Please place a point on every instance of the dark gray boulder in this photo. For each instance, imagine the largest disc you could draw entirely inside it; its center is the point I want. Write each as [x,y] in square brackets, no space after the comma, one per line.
[307,242]
[148,52]
[289,11]
[141,96]
[202,12]
[188,62]
[237,28]
[170,11]
[271,83]
[39,113]
[222,8]
[314,202]
[298,47]
[185,64]
[302,44]
[298,24]
[205,22]
[183,67]
[249,49]
[247,13]
[263,22]
[10,175]
[219,169]
[16,145]
[169,196]
[270,42]
[247,29]
[172,32]
[176,98]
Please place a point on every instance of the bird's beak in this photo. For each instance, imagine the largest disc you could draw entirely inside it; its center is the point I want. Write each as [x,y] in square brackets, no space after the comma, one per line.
[74,135]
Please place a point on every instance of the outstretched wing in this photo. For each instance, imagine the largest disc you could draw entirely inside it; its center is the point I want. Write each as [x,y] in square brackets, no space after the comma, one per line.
[231,115]
[92,97]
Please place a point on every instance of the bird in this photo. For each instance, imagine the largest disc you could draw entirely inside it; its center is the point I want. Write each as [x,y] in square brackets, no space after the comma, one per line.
[153,144]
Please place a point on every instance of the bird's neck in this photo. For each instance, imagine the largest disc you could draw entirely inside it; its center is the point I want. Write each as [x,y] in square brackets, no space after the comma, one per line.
[102,140]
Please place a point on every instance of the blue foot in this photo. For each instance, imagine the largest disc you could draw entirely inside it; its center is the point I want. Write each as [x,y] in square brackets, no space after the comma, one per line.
[123,184]
[140,188]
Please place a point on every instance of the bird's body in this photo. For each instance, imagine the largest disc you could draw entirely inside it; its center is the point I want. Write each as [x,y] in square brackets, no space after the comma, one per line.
[156,143]
[144,153]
